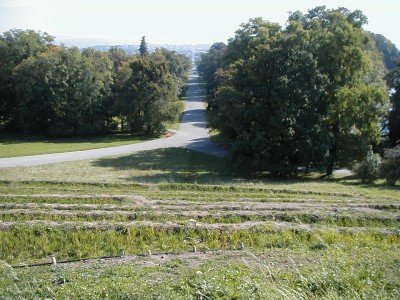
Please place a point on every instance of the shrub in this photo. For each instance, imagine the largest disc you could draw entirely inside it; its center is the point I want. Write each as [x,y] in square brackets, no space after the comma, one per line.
[390,168]
[368,169]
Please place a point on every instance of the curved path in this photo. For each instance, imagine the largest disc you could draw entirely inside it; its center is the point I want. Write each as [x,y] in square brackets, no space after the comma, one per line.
[192,134]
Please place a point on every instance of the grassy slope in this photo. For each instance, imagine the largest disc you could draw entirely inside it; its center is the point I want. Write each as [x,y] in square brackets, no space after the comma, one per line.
[320,239]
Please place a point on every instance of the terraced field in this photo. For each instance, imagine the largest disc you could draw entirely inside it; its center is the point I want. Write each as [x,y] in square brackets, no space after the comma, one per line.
[277,240]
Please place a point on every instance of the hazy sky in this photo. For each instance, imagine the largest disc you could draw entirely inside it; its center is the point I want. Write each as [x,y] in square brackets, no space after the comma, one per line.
[174,21]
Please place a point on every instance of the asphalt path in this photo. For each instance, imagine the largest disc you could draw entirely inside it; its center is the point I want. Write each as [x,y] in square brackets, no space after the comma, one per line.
[192,134]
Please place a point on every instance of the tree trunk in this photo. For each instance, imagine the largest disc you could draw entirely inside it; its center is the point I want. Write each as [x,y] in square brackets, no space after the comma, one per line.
[332,152]
[329,169]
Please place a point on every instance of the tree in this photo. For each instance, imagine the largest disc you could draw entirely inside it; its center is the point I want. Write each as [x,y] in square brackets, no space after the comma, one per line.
[308,94]
[62,92]
[275,114]
[149,97]
[143,47]
[393,80]
[210,62]
[119,57]
[390,53]
[390,168]
[368,168]
[15,46]
[248,38]
[353,107]
[178,66]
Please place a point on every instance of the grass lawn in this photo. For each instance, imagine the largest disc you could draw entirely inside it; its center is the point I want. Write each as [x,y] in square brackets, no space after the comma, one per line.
[12,145]
[185,225]
[21,145]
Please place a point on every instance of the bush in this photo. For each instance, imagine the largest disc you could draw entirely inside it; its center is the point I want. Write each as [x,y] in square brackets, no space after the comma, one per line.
[390,168]
[368,169]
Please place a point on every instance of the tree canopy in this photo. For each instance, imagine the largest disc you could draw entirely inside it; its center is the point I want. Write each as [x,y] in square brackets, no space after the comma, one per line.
[307,94]
[51,90]
[150,96]
[15,46]
[64,92]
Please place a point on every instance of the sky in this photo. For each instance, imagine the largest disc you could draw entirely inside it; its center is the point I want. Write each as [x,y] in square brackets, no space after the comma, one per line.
[174,21]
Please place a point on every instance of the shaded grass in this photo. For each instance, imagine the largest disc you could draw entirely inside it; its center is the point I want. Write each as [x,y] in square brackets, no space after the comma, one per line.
[219,138]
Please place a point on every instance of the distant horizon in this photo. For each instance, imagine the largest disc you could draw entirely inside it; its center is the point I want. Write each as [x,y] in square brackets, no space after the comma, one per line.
[176,22]
[106,42]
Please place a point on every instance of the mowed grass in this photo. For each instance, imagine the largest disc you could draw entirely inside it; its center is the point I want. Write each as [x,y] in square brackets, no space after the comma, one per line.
[22,145]
[183,168]
[303,238]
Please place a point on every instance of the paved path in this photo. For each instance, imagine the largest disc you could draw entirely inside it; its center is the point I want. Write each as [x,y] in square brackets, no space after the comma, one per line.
[192,134]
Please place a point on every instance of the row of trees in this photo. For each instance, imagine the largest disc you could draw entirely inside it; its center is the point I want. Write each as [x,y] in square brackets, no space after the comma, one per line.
[61,91]
[309,94]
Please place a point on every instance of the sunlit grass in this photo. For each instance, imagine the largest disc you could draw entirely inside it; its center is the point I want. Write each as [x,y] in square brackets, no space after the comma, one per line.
[21,145]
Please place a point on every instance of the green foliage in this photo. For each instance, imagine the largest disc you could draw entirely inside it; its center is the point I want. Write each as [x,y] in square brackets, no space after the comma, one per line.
[393,79]
[210,62]
[51,90]
[68,94]
[390,53]
[143,47]
[341,51]
[150,97]
[368,169]
[274,113]
[248,38]
[119,57]
[15,46]
[390,167]
[178,66]
[306,95]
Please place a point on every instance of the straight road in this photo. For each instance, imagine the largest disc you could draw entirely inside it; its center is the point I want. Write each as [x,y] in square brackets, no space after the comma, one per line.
[192,134]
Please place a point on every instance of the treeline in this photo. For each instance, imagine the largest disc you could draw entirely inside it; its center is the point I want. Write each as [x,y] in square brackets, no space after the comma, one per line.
[310,94]
[54,90]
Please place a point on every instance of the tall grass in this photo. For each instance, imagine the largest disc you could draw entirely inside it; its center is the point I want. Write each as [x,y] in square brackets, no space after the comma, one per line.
[32,243]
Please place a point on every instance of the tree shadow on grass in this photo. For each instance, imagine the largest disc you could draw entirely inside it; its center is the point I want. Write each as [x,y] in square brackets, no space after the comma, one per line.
[188,166]
[170,165]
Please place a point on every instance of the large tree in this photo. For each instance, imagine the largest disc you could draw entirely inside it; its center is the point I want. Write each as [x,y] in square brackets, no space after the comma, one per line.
[62,92]
[354,106]
[275,114]
[150,97]
[301,95]
[15,46]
